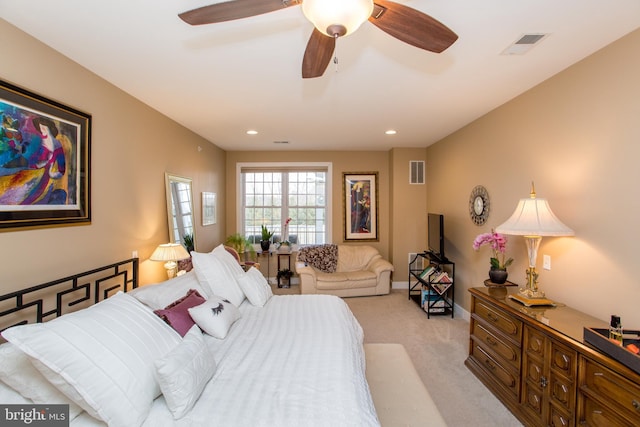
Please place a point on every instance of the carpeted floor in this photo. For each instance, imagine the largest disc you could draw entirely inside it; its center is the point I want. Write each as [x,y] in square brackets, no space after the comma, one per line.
[438,347]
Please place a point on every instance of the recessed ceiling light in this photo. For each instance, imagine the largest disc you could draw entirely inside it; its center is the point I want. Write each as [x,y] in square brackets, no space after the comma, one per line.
[390,132]
[252,132]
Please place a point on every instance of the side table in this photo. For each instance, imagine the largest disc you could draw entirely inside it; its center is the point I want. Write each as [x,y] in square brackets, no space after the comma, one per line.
[268,255]
[288,258]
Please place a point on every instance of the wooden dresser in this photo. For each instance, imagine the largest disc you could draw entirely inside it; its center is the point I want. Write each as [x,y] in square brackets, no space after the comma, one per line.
[536,362]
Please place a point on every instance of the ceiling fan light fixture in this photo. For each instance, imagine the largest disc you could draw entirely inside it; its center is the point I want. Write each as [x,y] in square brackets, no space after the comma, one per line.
[336,18]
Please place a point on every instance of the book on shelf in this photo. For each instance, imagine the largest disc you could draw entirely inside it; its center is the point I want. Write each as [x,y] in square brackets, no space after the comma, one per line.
[442,277]
[432,302]
[441,288]
[441,282]
[431,269]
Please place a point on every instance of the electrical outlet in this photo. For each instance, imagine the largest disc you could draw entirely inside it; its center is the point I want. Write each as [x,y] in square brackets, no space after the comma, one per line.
[134,254]
[546,262]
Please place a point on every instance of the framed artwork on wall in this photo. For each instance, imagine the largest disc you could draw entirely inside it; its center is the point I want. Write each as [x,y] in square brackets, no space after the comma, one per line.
[44,161]
[360,199]
[208,208]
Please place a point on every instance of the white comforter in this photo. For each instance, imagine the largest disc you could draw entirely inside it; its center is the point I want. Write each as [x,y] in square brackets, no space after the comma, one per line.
[297,361]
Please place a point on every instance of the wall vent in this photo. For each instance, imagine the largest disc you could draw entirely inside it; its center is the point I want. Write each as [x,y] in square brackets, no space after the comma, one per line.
[416,172]
[524,43]
[418,264]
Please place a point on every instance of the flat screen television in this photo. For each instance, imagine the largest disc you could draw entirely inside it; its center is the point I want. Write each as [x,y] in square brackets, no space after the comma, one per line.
[435,225]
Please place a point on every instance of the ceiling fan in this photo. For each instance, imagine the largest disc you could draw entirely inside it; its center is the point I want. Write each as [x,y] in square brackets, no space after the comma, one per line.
[402,22]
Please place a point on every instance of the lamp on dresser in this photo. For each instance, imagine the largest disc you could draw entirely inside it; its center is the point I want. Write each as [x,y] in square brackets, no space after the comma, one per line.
[533,219]
[170,252]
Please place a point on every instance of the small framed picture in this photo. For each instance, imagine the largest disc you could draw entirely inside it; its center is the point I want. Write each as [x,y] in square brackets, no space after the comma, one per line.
[208,208]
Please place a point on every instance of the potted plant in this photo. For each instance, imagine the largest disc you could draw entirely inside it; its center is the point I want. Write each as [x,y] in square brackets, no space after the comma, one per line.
[284,277]
[187,242]
[266,237]
[498,242]
[241,244]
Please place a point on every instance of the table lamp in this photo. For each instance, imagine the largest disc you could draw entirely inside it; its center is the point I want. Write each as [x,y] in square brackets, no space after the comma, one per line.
[533,219]
[170,252]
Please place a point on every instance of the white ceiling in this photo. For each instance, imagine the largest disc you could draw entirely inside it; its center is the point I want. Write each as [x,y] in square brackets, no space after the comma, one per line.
[223,79]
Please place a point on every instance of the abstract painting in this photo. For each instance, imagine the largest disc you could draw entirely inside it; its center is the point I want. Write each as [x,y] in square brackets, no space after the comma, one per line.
[44,161]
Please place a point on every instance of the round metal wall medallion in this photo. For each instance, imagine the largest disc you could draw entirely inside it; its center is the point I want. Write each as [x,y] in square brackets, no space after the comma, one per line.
[479,205]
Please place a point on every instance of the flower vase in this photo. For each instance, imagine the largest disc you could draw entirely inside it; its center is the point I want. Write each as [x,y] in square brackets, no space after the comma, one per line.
[498,276]
[284,249]
[264,245]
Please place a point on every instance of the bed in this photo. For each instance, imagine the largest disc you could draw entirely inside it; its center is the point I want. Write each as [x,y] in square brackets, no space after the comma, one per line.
[245,358]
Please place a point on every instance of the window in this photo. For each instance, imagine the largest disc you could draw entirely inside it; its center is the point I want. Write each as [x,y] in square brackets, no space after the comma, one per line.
[271,194]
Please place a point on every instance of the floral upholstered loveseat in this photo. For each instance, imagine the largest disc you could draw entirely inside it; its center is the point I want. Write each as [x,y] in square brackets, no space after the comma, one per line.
[343,270]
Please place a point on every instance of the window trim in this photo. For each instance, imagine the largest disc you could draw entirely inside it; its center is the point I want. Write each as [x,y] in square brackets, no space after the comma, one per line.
[287,166]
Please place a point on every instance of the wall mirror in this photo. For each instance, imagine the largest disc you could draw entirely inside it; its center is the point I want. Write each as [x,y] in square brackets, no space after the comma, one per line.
[180,210]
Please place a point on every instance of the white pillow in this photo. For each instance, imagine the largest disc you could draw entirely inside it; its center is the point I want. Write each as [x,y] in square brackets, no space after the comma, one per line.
[229,260]
[215,316]
[216,278]
[255,287]
[185,371]
[101,357]
[17,372]
[162,294]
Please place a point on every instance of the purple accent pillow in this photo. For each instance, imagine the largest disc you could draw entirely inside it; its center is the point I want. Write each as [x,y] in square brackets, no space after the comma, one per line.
[177,315]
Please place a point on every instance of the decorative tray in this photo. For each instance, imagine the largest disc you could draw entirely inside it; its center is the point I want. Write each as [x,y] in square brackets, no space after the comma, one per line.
[489,284]
[599,338]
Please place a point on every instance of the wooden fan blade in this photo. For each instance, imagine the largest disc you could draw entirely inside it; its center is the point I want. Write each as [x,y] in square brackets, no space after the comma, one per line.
[317,54]
[230,10]
[411,26]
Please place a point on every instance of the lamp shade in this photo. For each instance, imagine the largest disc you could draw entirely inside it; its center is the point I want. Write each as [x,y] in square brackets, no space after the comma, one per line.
[169,252]
[533,217]
[349,14]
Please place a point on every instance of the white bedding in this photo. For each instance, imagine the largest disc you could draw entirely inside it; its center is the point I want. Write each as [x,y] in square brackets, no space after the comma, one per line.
[297,361]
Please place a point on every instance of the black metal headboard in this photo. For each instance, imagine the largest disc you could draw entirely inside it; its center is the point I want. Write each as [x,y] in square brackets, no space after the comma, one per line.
[53,299]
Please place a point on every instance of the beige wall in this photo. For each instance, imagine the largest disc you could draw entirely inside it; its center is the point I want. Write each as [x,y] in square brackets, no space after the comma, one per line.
[575,135]
[132,147]
[342,161]
[408,218]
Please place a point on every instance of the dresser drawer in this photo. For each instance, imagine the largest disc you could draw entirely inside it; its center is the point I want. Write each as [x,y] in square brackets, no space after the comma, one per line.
[597,415]
[562,391]
[564,360]
[505,377]
[559,418]
[534,343]
[505,349]
[500,320]
[612,388]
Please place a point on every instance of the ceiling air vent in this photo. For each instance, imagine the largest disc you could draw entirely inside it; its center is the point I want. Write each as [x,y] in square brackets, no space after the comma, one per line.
[524,44]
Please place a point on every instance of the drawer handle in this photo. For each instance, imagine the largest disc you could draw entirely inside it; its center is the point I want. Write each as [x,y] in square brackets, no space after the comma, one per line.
[492,317]
[489,364]
[543,382]
[491,341]
[636,405]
